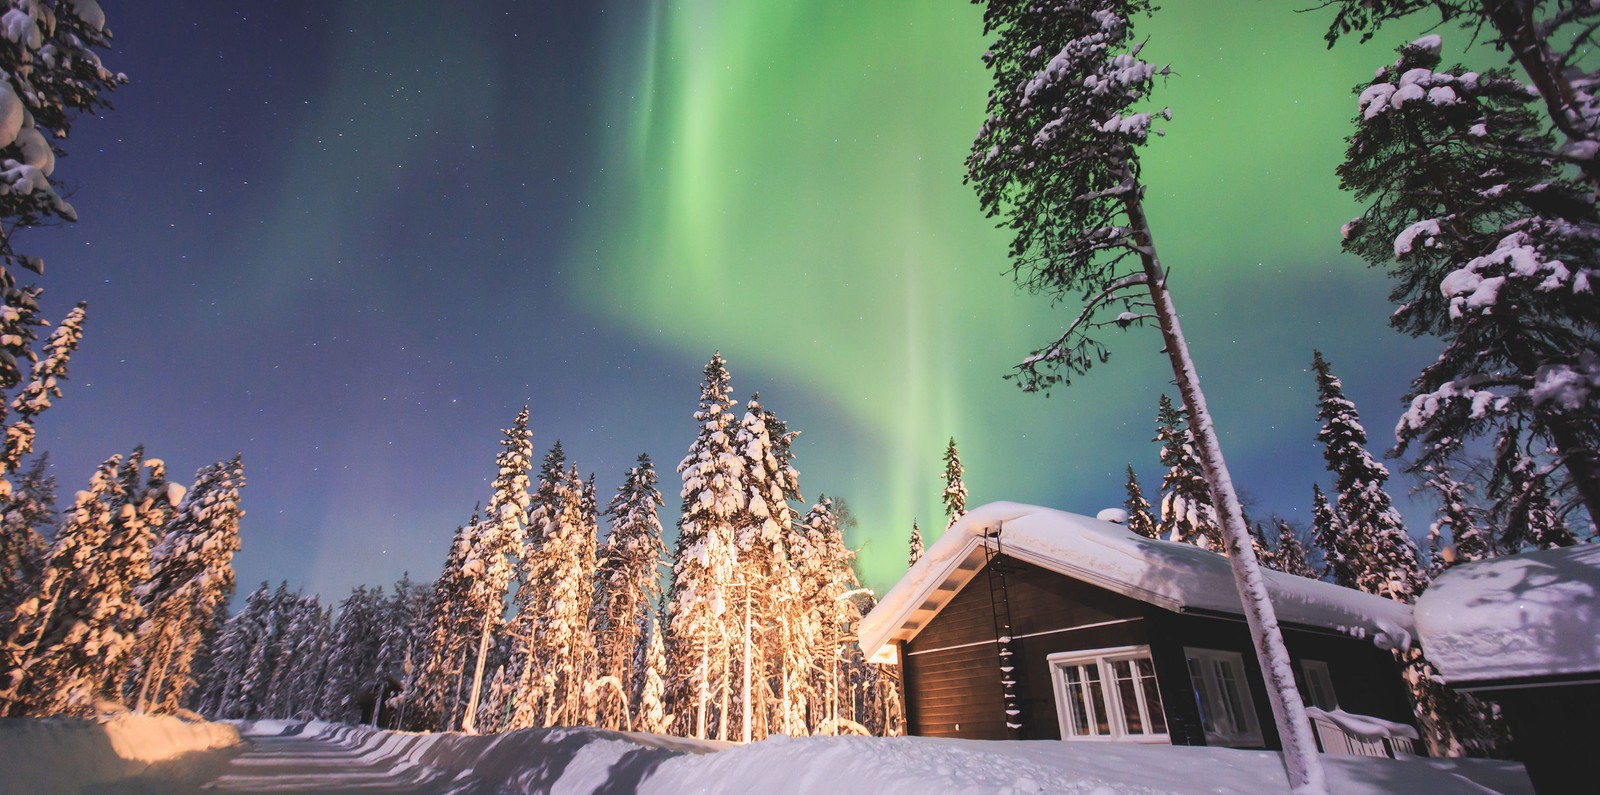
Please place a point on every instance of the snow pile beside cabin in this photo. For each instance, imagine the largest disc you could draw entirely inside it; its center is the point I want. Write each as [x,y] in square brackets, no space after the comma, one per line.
[72,754]
[1531,615]
[1178,577]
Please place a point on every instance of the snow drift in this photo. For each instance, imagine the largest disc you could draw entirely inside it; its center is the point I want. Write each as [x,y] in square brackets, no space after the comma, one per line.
[69,754]
[587,760]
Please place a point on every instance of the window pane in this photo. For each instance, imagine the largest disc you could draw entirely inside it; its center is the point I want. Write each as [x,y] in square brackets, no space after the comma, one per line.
[1202,699]
[1228,683]
[1097,697]
[1152,696]
[1074,683]
[1127,691]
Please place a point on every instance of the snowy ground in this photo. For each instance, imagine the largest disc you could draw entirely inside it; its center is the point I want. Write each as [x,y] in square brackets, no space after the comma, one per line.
[286,757]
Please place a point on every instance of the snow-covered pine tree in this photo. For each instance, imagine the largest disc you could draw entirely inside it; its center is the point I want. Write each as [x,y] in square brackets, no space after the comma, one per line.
[1058,160]
[1379,556]
[490,556]
[1493,252]
[628,582]
[1187,514]
[1291,556]
[399,634]
[300,648]
[955,491]
[1139,519]
[191,578]
[22,544]
[431,701]
[53,74]
[1522,509]
[767,588]
[352,655]
[650,713]
[74,634]
[1456,536]
[1327,530]
[829,580]
[915,553]
[552,648]
[240,634]
[704,558]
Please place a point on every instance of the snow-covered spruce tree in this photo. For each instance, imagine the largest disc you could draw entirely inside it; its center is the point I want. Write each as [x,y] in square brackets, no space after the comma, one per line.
[299,656]
[627,582]
[650,713]
[22,544]
[704,559]
[1493,242]
[1290,556]
[352,655]
[1057,160]
[490,565]
[1187,513]
[552,647]
[400,632]
[240,634]
[1372,544]
[431,700]
[828,581]
[955,491]
[1139,519]
[191,578]
[915,553]
[73,636]
[1522,509]
[767,588]
[1457,535]
[53,74]
[1326,530]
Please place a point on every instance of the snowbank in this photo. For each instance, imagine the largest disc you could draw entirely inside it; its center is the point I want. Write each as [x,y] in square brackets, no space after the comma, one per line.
[69,754]
[575,761]
[923,765]
[1528,615]
[1171,575]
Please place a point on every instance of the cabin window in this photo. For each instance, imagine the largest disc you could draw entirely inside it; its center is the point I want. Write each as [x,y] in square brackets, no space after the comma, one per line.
[1223,694]
[1318,685]
[1108,694]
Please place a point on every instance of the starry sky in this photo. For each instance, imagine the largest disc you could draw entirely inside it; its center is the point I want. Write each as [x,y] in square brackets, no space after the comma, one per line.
[350,239]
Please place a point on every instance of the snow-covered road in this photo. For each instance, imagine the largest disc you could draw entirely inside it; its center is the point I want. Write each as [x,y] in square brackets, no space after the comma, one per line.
[304,763]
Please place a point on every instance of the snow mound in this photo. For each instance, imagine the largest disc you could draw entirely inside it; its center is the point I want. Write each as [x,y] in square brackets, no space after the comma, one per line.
[1534,614]
[72,754]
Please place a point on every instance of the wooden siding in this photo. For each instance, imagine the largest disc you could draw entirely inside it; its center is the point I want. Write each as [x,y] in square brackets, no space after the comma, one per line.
[954,690]
[952,675]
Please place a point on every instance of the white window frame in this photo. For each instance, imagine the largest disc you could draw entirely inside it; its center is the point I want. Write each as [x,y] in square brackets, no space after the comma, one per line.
[1316,675]
[1210,696]
[1104,658]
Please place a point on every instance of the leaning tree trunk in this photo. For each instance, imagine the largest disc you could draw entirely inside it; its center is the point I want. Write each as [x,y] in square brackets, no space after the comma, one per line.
[469,723]
[1294,727]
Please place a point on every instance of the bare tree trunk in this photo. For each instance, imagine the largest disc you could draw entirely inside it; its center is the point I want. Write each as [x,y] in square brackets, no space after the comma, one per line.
[744,694]
[469,724]
[1294,728]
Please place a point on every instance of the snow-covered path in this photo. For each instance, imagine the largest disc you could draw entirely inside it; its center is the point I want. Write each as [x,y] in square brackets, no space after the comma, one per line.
[306,763]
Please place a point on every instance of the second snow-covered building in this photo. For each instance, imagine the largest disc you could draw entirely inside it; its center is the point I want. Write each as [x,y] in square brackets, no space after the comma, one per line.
[1029,623]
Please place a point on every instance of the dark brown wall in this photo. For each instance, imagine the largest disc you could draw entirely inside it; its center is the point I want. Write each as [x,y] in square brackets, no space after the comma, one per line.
[960,687]
[956,692]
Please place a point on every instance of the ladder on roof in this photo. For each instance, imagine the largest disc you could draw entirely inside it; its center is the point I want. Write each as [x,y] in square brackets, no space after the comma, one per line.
[1000,605]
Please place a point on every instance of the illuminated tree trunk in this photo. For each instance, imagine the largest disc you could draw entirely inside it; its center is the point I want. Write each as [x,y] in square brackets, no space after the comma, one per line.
[1294,727]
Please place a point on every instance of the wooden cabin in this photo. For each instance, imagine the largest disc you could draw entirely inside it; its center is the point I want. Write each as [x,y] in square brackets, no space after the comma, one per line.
[1524,631]
[1028,623]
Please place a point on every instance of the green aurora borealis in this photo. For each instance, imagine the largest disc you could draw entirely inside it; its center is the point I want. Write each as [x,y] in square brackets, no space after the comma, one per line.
[784,185]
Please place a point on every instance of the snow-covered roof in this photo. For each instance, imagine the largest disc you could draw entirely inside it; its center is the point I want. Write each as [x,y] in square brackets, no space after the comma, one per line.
[1174,576]
[1531,615]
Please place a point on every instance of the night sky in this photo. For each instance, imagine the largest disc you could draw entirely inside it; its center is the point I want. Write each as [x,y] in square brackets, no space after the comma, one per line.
[351,239]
